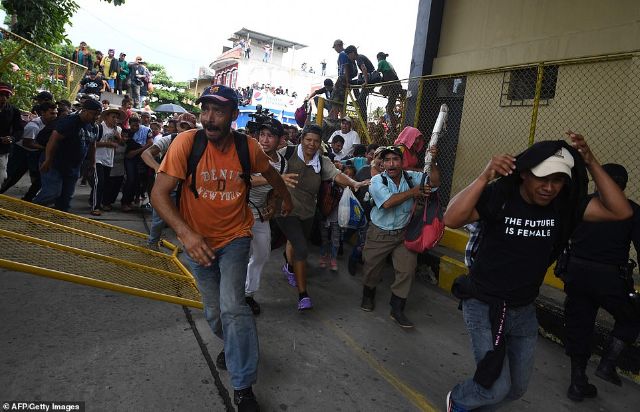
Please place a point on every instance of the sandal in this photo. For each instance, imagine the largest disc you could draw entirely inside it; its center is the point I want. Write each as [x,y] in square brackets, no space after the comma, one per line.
[107,208]
[96,212]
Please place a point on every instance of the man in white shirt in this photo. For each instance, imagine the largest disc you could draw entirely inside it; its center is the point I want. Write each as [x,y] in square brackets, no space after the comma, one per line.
[271,134]
[350,136]
[110,136]
[157,150]
[26,151]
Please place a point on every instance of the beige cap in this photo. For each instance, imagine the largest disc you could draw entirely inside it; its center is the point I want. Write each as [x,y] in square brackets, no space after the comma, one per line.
[560,162]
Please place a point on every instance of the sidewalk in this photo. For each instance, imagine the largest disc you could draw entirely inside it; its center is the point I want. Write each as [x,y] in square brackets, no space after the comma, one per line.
[62,341]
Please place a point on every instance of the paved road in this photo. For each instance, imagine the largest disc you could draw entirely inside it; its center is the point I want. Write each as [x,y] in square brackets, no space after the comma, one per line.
[116,352]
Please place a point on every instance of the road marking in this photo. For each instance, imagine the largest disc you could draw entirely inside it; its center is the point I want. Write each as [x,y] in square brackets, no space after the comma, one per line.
[411,394]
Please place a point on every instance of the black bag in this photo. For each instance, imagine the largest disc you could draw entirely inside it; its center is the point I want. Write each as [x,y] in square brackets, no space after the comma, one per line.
[43,136]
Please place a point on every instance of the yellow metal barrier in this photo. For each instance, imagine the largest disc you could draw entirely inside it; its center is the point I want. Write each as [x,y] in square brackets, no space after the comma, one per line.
[63,246]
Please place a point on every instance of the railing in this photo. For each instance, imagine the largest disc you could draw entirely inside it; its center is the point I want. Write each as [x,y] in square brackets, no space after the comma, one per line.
[29,68]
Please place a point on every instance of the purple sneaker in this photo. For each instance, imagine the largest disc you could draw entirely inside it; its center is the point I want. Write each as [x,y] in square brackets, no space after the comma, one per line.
[305,304]
[291,277]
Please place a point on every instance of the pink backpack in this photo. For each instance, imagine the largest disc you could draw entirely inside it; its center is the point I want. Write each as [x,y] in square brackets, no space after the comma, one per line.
[301,115]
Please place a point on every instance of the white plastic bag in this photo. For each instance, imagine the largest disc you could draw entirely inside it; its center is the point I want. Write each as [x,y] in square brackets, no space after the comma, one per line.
[350,212]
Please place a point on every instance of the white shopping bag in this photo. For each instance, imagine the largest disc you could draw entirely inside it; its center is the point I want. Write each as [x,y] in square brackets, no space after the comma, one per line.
[350,212]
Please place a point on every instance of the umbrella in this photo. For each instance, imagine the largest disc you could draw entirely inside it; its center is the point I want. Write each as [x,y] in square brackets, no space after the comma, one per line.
[170,108]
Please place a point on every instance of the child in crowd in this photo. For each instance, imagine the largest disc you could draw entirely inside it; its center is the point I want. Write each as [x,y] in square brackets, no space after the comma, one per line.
[335,152]
[330,232]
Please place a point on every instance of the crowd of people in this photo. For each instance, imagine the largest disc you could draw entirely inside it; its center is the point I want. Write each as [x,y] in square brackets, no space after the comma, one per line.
[105,73]
[271,186]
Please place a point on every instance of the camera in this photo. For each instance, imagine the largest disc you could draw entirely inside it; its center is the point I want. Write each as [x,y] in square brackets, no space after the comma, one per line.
[258,118]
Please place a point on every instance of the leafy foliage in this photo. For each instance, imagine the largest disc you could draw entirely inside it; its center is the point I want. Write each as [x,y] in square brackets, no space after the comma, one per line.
[166,90]
[43,21]
[36,71]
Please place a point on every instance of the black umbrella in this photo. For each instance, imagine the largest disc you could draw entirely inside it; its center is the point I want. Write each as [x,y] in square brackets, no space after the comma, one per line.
[170,108]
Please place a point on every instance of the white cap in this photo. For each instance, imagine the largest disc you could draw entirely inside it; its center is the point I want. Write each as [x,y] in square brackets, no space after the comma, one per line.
[560,162]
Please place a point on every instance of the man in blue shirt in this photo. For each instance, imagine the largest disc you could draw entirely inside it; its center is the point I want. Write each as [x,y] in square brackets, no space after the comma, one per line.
[393,192]
[139,139]
[73,138]
[347,70]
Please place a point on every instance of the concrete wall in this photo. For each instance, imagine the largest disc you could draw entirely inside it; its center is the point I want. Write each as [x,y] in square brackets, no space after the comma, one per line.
[479,34]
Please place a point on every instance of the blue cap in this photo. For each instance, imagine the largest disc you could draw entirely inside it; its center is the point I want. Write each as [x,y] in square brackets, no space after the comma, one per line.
[219,94]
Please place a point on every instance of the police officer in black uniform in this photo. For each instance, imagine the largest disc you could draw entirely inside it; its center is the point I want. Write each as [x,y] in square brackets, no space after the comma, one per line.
[598,274]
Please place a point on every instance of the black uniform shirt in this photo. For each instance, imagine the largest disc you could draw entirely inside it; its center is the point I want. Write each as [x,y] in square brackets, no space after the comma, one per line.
[607,242]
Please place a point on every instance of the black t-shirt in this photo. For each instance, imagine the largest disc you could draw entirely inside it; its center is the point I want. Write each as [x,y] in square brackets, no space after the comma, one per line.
[92,86]
[514,254]
[73,148]
[10,125]
[362,194]
[362,59]
[607,242]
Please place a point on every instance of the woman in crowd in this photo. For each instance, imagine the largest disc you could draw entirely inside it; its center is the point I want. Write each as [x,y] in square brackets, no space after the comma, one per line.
[310,168]
[412,144]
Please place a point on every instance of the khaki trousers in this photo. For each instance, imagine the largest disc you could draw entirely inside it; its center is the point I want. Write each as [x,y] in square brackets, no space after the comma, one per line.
[380,243]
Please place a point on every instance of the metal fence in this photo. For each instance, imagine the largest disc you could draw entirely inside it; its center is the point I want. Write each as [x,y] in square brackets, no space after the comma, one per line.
[29,68]
[59,245]
[507,109]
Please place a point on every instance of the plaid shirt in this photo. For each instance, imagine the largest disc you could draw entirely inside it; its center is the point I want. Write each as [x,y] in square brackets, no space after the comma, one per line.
[474,241]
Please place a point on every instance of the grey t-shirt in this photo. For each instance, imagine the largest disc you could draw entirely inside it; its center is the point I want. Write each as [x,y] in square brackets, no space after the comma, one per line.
[258,194]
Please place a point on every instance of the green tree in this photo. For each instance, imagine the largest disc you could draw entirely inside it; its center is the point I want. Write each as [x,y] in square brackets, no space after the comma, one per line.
[166,90]
[42,21]
[28,70]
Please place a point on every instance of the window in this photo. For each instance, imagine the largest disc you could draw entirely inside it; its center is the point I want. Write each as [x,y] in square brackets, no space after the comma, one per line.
[519,86]
[451,87]
[234,78]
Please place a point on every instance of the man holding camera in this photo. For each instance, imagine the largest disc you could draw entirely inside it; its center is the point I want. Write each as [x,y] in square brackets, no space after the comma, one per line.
[599,273]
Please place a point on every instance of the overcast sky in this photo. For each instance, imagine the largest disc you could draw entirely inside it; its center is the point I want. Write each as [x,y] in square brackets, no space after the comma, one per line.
[186,34]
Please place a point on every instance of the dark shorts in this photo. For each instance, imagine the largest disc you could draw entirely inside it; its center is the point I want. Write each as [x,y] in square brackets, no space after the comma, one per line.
[297,232]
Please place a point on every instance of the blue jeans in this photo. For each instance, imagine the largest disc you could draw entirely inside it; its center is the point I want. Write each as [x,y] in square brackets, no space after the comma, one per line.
[57,187]
[157,224]
[521,334]
[222,288]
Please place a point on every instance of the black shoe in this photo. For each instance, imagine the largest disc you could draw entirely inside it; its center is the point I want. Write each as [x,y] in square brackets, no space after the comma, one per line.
[607,367]
[397,312]
[580,387]
[368,299]
[255,307]
[221,361]
[246,400]
[352,266]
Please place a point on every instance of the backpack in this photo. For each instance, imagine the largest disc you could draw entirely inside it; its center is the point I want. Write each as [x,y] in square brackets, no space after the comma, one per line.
[200,143]
[385,182]
[426,226]
[301,114]
[42,138]
[271,199]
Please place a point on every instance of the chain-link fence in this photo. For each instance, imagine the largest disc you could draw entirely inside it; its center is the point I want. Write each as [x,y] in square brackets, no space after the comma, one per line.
[29,68]
[507,109]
